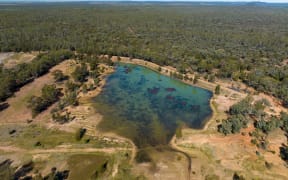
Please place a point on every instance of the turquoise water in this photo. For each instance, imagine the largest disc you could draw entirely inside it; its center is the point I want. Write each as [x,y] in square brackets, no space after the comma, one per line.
[147,107]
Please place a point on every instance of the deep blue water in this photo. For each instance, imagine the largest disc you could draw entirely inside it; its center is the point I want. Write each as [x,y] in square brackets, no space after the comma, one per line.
[147,107]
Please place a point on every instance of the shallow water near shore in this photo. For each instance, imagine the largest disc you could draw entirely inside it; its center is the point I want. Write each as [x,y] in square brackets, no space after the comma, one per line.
[147,107]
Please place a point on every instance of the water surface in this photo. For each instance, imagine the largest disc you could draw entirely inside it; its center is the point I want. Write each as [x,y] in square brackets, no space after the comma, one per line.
[147,107]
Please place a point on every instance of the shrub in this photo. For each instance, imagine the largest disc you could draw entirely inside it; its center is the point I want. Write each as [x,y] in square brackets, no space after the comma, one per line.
[58,75]
[80,73]
[217,89]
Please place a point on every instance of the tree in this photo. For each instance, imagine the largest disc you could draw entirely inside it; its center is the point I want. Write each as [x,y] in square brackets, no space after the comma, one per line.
[284,119]
[70,98]
[211,78]
[58,75]
[36,104]
[225,128]
[243,107]
[80,73]
[57,117]
[233,124]
[109,62]
[93,64]
[236,176]
[94,74]
[217,89]
[267,125]
[50,94]
[70,86]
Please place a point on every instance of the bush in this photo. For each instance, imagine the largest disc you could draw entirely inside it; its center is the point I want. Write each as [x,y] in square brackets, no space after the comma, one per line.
[143,156]
[70,86]
[217,89]
[236,176]
[179,132]
[70,98]
[284,120]
[267,125]
[57,117]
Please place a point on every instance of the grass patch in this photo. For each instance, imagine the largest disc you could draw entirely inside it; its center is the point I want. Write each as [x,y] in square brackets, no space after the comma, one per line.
[21,102]
[38,136]
[208,152]
[258,165]
[89,166]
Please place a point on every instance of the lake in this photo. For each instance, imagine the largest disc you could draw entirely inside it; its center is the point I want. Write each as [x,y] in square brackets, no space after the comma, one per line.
[147,107]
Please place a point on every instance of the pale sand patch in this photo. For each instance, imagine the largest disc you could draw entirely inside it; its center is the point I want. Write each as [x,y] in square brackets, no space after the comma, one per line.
[4,56]
[18,58]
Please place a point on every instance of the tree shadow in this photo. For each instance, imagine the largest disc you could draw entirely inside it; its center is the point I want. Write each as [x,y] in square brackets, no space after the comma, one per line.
[3,106]
[284,153]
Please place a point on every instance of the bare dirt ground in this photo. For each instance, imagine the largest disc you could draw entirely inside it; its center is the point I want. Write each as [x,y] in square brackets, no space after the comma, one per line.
[168,165]
[234,153]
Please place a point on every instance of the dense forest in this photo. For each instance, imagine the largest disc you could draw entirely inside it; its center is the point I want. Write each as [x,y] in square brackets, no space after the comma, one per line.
[248,43]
